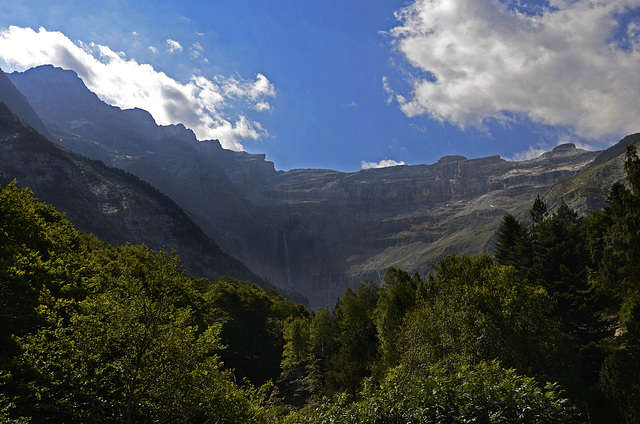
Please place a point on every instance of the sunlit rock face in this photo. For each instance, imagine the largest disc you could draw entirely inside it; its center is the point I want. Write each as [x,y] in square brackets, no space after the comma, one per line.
[311,231]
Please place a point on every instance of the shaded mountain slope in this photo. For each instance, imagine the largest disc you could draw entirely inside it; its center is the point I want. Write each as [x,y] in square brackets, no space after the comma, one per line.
[110,203]
[15,100]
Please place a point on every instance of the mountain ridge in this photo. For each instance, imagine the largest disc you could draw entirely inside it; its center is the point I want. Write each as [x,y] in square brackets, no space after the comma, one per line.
[116,206]
[312,231]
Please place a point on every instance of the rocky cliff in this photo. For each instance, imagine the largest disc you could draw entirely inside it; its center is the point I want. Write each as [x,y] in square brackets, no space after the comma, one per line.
[114,205]
[311,231]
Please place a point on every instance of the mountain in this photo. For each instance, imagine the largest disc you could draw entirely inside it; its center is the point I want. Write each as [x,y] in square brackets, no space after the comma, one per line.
[108,202]
[587,190]
[310,230]
[16,101]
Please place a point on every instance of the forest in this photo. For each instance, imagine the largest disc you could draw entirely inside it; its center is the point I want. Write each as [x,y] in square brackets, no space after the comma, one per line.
[546,328]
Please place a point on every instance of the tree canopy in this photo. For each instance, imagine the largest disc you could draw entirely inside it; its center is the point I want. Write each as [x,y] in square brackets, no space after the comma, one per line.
[545,330]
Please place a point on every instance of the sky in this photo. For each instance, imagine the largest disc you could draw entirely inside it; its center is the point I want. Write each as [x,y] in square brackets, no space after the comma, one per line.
[351,84]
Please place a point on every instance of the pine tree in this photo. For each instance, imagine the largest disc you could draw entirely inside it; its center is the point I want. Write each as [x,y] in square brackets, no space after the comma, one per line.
[620,266]
[513,246]
[539,211]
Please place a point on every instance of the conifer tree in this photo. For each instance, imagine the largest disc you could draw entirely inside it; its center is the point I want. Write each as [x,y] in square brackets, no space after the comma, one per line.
[539,211]
[513,246]
[621,262]
[397,297]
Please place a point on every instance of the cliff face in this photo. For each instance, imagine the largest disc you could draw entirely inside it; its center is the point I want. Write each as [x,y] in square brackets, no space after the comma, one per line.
[332,229]
[312,231]
[116,206]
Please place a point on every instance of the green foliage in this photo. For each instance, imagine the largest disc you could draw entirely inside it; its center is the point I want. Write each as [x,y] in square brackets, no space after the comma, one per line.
[297,336]
[93,333]
[561,265]
[475,309]
[620,375]
[539,211]
[456,393]
[397,296]
[252,327]
[130,352]
[621,261]
[356,340]
[620,271]
[513,246]
[37,248]
[323,332]
[591,269]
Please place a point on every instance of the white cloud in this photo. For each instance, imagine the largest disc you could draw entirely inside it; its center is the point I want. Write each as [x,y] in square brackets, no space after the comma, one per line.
[242,128]
[173,46]
[153,49]
[531,153]
[261,87]
[263,107]
[558,66]
[388,90]
[382,164]
[196,50]
[212,108]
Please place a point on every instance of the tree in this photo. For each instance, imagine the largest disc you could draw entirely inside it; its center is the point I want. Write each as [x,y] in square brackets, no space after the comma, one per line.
[620,270]
[324,333]
[356,340]
[131,353]
[621,259]
[457,393]
[252,327]
[475,309]
[37,248]
[620,374]
[513,246]
[539,211]
[297,337]
[561,265]
[397,296]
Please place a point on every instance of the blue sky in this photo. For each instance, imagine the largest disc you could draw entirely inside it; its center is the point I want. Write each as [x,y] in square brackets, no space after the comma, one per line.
[350,84]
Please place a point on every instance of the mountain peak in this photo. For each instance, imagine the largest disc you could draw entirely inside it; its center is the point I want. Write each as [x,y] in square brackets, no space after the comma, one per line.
[451,158]
[565,147]
[19,104]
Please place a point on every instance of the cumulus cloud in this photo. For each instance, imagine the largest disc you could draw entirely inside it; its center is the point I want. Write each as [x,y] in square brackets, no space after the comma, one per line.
[382,164]
[173,46]
[263,107]
[531,153]
[212,108]
[571,64]
[261,87]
